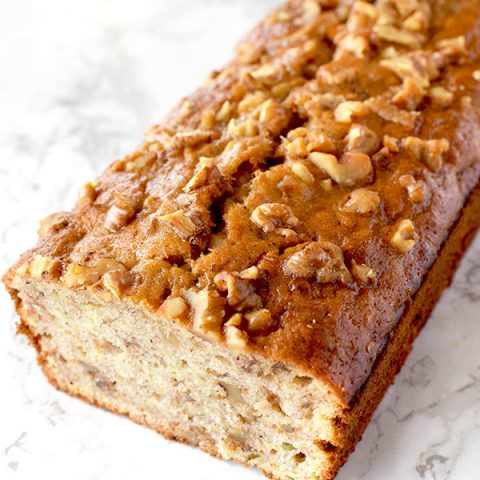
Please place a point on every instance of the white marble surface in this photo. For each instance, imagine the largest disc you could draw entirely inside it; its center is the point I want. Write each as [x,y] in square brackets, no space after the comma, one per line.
[79,83]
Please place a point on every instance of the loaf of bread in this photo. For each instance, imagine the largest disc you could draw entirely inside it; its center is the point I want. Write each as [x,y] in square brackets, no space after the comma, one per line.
[252,277]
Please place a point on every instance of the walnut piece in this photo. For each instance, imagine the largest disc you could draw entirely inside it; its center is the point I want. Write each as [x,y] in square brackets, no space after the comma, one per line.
[258,319]
[440,97]
[83,275]
[240,293]
[320,260]
[120,213]
[265,71]
[383,107]
[415,188]
[361,139]
[389,33]
[208,308]
[207,173]
[275,217]
[345,112]
[247,128]
[302,171]
[355,166]
[362,201]
[175,307]
[410,95]
[117,281]
[430,152]
[180,222]
[52,224]
[235,337]
[250,273]
[405,236]
[363,273]
[40,265]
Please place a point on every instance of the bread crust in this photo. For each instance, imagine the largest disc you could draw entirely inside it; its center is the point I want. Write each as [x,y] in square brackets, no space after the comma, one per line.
[386,367]
[335,330]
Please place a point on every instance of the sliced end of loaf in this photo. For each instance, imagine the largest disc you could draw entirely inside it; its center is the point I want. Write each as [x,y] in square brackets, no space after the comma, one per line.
[231,404]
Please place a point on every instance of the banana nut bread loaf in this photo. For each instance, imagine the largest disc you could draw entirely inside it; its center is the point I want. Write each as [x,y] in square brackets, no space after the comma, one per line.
[252,277]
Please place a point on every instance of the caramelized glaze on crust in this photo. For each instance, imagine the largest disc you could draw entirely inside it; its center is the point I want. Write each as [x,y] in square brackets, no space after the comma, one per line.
[333,155]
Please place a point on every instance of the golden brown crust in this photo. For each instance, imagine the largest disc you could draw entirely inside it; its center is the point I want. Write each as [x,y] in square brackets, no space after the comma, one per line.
[261,167]
[387,365]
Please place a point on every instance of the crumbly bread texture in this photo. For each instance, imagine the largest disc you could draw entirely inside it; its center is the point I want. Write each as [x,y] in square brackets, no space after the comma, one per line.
[252,277]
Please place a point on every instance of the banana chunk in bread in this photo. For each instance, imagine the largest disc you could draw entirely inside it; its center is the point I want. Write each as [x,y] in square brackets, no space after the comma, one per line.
[251,278]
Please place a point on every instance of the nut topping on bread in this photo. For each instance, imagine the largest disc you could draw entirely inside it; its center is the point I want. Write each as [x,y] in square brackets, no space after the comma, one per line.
[256,241]
[405,236]
[353,168]
[322,261]
[362,200]
[275,217]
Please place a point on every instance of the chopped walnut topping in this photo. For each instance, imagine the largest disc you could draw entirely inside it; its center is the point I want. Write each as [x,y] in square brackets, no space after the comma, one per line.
[225,112]
[362,16]
[404,67]
[258,319]
[208,119]
[389,33]
[405,236]
[139,161]
[391,144]
[361,139]
[251,101]
[240,293]
[440,97]
[191,138]
[207,173]
[363,273]
[235,337]
[40,265]
[347,111]
[311,9]
[83,275]
[208,308]
[362,201]
[272,116]
[320,260]
[384,109]
[434,153]
[235,320]
[452,48]
[301,141]
[116,281]
[275,217]
[302,171]
[416,22]
[180,222]
[431,152]
[415,188]
[410,95]
[175,307]
[247,128]
[52,223]
[88,191]
[356,44]
[120,213]
[248,53]
[265,71]
[327,184]
[328,100]
[354,167]
[250,273]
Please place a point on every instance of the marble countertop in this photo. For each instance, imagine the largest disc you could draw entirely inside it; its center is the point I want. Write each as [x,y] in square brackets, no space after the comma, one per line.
[79,83]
